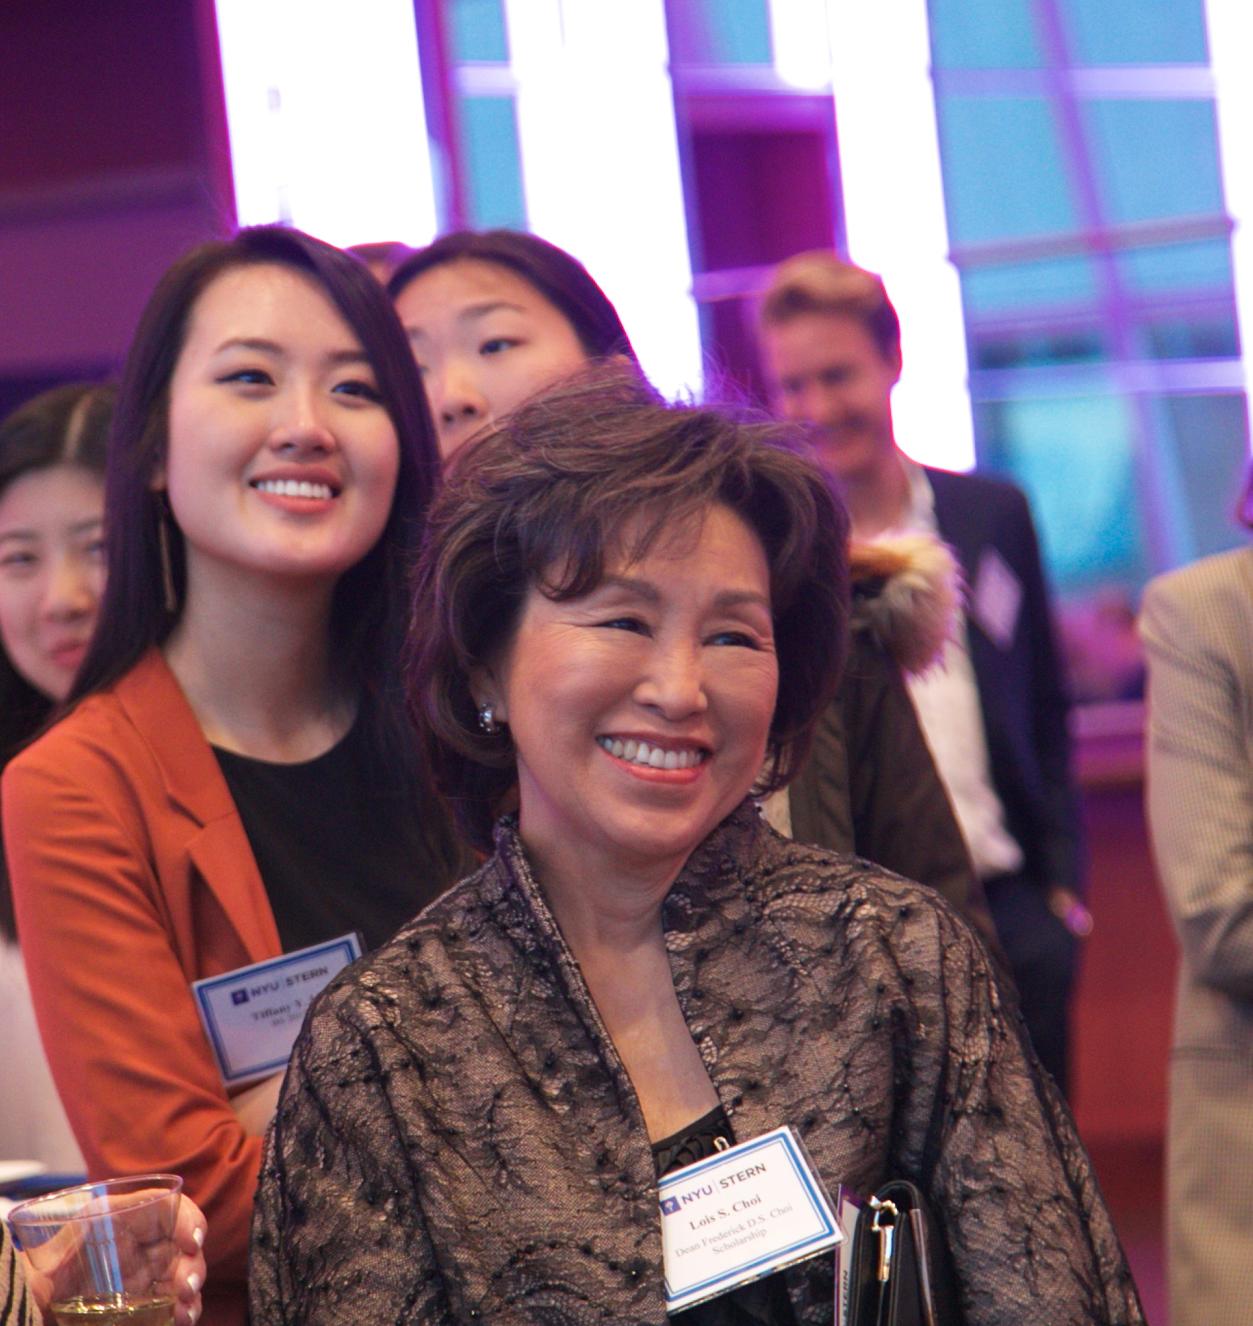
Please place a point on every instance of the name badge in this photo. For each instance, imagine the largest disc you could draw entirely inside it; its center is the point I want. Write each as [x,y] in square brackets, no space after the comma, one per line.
[996,599]
[740,1215]
[252,1015]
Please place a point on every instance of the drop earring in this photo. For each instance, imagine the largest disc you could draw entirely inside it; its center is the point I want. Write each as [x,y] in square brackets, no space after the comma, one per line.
[169,596]
[488,723]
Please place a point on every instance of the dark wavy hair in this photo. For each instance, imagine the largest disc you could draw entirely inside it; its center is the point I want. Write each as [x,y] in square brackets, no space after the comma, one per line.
[546,497]
[65,426]
[559,277]
[369,606]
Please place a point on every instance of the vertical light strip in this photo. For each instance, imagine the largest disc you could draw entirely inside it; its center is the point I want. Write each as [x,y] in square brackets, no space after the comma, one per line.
[798,40]
[894,213]
[600,164]
[1230,28]
[326,120]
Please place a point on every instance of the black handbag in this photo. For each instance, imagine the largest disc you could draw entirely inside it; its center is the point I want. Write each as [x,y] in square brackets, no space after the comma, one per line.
[900,1274]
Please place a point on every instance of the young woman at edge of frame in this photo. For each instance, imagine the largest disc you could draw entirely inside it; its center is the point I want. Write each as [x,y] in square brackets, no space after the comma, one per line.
[52,457]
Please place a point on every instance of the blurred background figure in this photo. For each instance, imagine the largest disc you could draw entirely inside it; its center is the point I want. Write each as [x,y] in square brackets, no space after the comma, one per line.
[52,453]
[1104,658]
[1197,626]
[995,713]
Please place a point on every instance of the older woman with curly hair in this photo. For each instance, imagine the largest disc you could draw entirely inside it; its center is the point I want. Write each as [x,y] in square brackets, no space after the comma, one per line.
[627,618]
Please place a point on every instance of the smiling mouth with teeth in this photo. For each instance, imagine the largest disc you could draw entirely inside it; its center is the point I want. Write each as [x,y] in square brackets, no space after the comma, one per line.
[295,488]
[651,757]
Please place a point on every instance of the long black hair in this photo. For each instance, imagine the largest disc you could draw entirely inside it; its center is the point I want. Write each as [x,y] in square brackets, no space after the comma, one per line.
[558,276]
[65,426]
[369,606]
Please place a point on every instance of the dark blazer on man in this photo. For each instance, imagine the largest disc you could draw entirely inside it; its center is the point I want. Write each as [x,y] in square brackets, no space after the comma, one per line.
[1025,707]
[1021,687]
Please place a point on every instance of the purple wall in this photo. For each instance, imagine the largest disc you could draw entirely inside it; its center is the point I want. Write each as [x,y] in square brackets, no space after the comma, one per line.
[113,161]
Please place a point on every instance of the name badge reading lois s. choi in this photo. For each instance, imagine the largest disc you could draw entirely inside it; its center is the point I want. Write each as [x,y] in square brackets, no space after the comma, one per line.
[739,1215]
[252,1015]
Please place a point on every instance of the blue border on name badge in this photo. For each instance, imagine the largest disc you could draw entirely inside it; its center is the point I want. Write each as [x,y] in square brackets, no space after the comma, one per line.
[208,1016]
[802,1171]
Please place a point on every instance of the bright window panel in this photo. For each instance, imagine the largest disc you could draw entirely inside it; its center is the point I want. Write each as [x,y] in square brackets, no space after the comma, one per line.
[984,34]
[326,118]
[1204,266]
[1210,444]
[476,31]
[800,43]
[1110,32]
[894,214]
[986,144]
[1028,286]
[493,171]
[713,32]
[1155,159]
[1073,456]
[600,160]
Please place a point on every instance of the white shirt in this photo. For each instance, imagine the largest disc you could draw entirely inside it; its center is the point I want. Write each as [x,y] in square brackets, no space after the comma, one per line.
[946,697]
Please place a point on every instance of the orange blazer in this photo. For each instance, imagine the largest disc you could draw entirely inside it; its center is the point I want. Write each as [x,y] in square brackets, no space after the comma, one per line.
[133,877]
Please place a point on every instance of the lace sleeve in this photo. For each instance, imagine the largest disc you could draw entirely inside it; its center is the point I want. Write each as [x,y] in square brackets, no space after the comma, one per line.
[1030,1237]
[337,1232]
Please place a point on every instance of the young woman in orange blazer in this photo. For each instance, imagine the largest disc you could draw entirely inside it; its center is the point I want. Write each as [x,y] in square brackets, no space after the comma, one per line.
[233,779]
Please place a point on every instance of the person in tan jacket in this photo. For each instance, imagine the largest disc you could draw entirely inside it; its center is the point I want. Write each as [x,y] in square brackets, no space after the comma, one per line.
[1197,628]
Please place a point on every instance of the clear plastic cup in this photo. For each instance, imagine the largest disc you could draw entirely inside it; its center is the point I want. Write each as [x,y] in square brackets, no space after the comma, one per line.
[105,1252]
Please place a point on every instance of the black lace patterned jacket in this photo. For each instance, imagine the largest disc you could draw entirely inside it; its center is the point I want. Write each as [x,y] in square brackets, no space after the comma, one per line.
[458,1141]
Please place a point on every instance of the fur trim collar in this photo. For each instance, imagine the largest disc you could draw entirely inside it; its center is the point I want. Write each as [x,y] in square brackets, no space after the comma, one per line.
[907,592]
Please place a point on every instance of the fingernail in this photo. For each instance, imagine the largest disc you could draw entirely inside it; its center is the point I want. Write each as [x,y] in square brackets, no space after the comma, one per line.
[193,1315]
[194,1282]
[198,1235]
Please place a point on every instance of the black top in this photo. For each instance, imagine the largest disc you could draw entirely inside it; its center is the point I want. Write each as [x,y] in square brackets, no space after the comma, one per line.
[761,1303]
[339,848]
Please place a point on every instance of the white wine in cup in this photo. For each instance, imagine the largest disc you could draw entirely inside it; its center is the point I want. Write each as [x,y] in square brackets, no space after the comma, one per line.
[104,1253]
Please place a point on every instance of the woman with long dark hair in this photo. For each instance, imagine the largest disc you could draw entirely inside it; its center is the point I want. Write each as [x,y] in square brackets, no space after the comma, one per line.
[234,780]
[52,453]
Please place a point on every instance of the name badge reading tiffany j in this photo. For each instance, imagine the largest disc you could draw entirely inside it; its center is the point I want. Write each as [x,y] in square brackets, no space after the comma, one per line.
[252,1015]
[740,1215]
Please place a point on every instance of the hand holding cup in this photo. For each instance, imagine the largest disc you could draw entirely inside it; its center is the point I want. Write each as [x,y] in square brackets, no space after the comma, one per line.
[124,1250]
